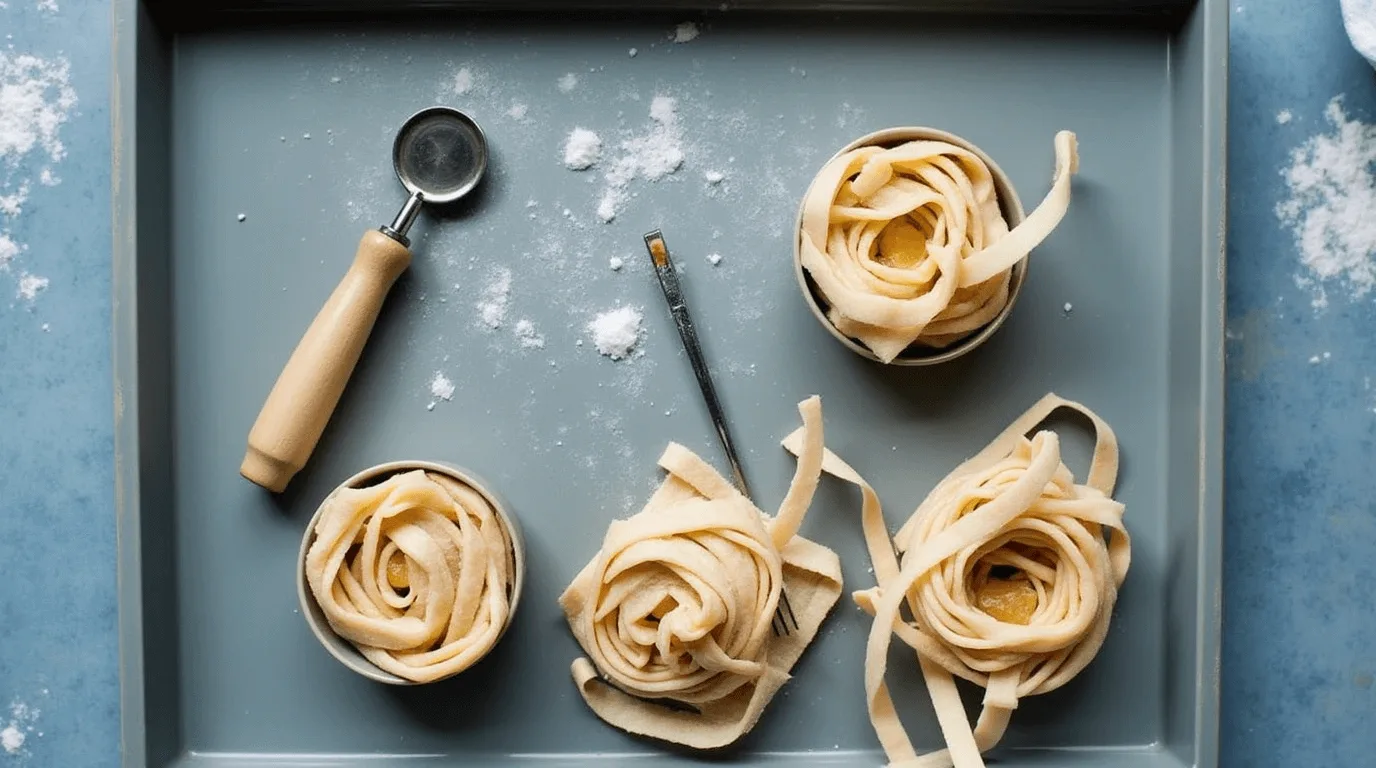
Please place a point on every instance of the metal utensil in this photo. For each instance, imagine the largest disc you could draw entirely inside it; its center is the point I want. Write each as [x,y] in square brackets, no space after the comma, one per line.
[784,621]
[440,155]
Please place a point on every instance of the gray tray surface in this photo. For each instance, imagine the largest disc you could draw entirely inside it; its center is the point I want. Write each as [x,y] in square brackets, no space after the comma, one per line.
[570,437]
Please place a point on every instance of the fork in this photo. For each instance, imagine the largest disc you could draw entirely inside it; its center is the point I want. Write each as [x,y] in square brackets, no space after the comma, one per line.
[784,622]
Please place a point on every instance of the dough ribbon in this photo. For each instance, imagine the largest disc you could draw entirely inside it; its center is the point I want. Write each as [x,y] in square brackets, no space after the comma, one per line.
[908,245]
[1007,574]
[675,611]
[416,572]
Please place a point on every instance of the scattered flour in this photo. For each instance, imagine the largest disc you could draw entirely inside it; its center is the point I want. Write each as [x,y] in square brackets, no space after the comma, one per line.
[441,387]
[8,251]
[20,725]
[12,205]
[715,258]
[517,111]
[1332,194]
[529,337]
[1284,116]
[47,5]
[36,99]
[568,82]
[686,32]
[650,156]
[495,297]
[463,81]
[615,262]
[12,739]
[616,332]
[30,286]
[714,177]
[582,149]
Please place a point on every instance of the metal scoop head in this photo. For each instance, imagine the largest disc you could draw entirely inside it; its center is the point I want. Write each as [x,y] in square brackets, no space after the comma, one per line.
[440,155]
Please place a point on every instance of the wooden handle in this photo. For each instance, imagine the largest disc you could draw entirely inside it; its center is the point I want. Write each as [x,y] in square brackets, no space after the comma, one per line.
[309,387]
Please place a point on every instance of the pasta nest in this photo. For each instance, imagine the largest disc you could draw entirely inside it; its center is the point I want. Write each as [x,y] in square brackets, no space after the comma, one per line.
[416,572]
[908,245]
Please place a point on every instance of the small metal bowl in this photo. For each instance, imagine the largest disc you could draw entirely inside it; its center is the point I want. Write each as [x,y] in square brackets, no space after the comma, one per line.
[917,354]
[343,650]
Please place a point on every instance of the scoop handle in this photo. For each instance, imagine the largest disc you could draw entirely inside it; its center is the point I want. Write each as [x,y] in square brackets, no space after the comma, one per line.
[309,387]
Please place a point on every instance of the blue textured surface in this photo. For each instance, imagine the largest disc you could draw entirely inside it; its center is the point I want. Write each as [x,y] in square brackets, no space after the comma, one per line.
[1300,534]
[1301,527]
[57,522]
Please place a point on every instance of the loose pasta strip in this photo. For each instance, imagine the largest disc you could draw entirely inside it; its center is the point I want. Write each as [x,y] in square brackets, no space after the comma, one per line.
[674,612]
[1009,571]
[416,572]
[908,244]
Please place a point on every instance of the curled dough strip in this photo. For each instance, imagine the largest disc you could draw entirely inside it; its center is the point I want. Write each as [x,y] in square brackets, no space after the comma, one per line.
[908,244]
[675,611]
[416,572]
[1014,507]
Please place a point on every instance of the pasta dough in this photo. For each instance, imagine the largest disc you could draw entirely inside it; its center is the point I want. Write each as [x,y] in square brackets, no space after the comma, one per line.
[417,572]
[675,611]
[1008,577]
[908,245]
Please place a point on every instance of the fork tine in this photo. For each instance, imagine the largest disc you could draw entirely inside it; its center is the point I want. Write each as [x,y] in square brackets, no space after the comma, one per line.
[784,617]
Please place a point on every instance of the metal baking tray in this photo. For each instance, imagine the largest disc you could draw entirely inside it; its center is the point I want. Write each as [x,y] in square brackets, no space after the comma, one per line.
[1122,310]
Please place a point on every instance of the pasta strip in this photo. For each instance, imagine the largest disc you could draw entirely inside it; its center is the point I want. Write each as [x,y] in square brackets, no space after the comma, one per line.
[908,244]
[416,572]
[674,612]
[1013,507]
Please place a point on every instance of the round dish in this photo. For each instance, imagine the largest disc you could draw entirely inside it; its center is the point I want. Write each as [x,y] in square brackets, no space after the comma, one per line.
[340,647]
[917,354]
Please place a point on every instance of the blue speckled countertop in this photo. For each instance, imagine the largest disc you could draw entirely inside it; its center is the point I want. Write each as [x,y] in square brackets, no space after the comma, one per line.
[1300,557]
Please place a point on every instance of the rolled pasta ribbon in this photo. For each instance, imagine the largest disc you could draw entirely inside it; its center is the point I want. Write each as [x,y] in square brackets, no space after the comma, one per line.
[416,572]
[908,244]
[675,611]
[1009,570]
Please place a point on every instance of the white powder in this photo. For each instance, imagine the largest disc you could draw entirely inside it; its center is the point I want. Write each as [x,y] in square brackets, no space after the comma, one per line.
[686,32]
[714,177]
[568,82]
[441,387]
[582,149]
[616,332]
[1284,116]
[48,179]
[616,263]
[15,733]
[1332,194]
[632,53]
[36,98]
[650,156]
[495,297]
[8,250]
[606,207]
[12,739]
[715,258]
[47,5]
[463,81]
[12,204]
[31,285]
[529,337]
[517,111]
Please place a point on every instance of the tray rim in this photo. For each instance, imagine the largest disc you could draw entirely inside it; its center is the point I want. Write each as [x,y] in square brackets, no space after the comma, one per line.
[131,24]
